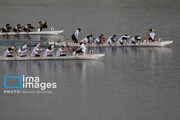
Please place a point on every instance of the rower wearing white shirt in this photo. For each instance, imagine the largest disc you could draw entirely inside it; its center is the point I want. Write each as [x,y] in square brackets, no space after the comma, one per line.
[36,51]
[82,48]
[123,39]
[86,40]
[111,39]
[91,40]
[60,51]
[151,36]
[22,50]
[75,35]
[135,39]
[48,51]
[9,52]
[99,39]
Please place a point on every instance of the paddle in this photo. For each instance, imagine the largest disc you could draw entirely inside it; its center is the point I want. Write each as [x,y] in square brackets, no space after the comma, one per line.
[69,48]
[63,40]
[15,48]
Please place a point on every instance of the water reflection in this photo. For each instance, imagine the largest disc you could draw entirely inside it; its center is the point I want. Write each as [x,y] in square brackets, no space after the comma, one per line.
[55,67]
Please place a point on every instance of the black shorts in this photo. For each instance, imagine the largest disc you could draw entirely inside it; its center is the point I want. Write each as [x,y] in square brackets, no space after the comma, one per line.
[26,30]
[14,30]
[49,55]
[74,38]
[62,54]
[43,26]
[37,55]
[133,42]
[150,38]
[4,30]
[9,56]
[23,56]
[79,51]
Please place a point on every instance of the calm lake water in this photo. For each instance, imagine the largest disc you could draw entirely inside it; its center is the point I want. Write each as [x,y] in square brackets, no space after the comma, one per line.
[130,83]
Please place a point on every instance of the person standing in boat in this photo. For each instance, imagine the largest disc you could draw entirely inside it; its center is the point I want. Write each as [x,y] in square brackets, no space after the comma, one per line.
[60,51]
[17,28]
[28,28]
[151,36]
[123,39]
[7,28]
[36,51]
[82,49]
[99,39]
[43,25]
[22,50]
[111,39]
[75,35]
[48,51]
[9,52]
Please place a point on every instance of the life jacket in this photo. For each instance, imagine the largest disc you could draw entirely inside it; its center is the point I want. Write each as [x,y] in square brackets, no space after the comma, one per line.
[16,28]
[43,23]
[26,27]
[5,28]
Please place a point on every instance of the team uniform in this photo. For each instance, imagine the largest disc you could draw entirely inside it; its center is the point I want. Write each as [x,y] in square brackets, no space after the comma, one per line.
[99,40]
[17,29]
[28,28]
[8,53]
[110,40]
[22,50]
[6,28]
[35,52]
[120,40]
[48,52]
[85,40]
[152,36]
[43,25]
[60,52]
[133,40]
[82,49]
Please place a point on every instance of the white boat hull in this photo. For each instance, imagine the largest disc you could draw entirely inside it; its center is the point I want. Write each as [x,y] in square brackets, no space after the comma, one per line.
[80,57]
[149,44]
[34,33]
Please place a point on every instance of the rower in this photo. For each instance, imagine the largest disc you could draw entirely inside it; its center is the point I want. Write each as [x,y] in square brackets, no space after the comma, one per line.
[75,35]
[111,39]
[28,28]
[91,39]
[82,48]
[36,51]
[48,51]
[135,39]
[43,25]
[151,35]
[6,28]
[17,28]
[22,50]
[99,39]
[123,39]
[61,50]
[9,51]
[86,40]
